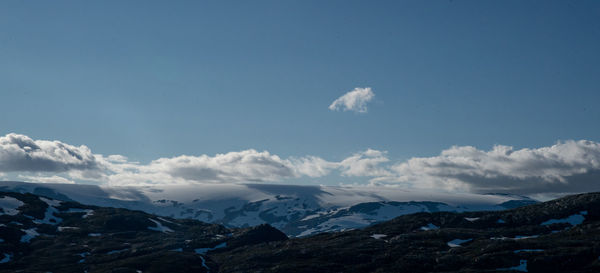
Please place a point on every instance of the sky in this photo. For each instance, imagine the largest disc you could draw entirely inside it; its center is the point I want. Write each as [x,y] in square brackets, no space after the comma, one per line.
[462,95]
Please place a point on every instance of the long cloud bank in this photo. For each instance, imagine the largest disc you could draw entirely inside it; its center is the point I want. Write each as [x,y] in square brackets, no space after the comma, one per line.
[570,166]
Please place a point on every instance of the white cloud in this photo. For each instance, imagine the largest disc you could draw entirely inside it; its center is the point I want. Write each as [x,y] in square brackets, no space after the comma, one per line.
[244,166]
[21,153]
[46,179]
[248,165]
[355,100]
[571,166]
[312,166]
[365,163]
[117,158]
[25,156]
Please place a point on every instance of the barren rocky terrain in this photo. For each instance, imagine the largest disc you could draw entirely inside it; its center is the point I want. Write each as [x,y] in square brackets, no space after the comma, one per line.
[39,234]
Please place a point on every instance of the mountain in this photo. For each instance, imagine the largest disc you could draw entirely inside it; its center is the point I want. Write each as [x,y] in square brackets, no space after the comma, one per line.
[295,210]
[562,235]
[41,234]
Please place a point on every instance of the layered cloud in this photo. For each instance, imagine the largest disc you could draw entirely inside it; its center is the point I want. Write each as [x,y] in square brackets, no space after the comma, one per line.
[570,166]
[367,163]
[313,166]
[248,165]
[45,179]
[244,166]
[355,100]
[57,162]
[21,153]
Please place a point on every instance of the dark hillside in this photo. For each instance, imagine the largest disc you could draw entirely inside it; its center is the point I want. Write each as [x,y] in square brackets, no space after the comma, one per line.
[40,234]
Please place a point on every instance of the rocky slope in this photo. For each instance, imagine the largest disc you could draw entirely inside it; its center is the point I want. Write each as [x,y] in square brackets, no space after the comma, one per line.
[557,236]
[40,234]
[296,210]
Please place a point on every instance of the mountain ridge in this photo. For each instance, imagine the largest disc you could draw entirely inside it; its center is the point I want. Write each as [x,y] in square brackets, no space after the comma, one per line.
[42,234]
[296,210]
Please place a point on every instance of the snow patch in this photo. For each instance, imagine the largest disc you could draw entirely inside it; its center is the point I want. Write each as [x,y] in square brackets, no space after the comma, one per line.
[51,202]
[378,236]
[10,205]
[457,242]
[429,226]
[311,216]
[528,250]
[471,219]
[88,212]
[308,232]
[356,220]
[521,267]
[518,237]
[6,258]
[82,255]
[204,250]
[159,227]
[95,234]
[166,221]
[117,251]
[204,264]
[573,220]
[49,217]
[67,228]
[29,234]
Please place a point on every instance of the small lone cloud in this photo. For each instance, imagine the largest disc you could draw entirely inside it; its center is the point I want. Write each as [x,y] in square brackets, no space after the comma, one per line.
[355,100]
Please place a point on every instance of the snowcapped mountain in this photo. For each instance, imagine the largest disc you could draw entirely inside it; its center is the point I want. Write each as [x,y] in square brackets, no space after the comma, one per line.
[296,210]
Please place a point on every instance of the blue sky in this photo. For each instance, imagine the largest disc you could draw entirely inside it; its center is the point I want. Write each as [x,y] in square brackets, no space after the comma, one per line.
[157,79]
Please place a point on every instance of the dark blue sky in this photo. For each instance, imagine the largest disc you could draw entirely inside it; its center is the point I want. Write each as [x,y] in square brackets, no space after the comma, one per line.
[160,79]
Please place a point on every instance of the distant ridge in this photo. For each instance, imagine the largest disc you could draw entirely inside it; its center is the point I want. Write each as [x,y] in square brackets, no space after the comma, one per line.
[296,210]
